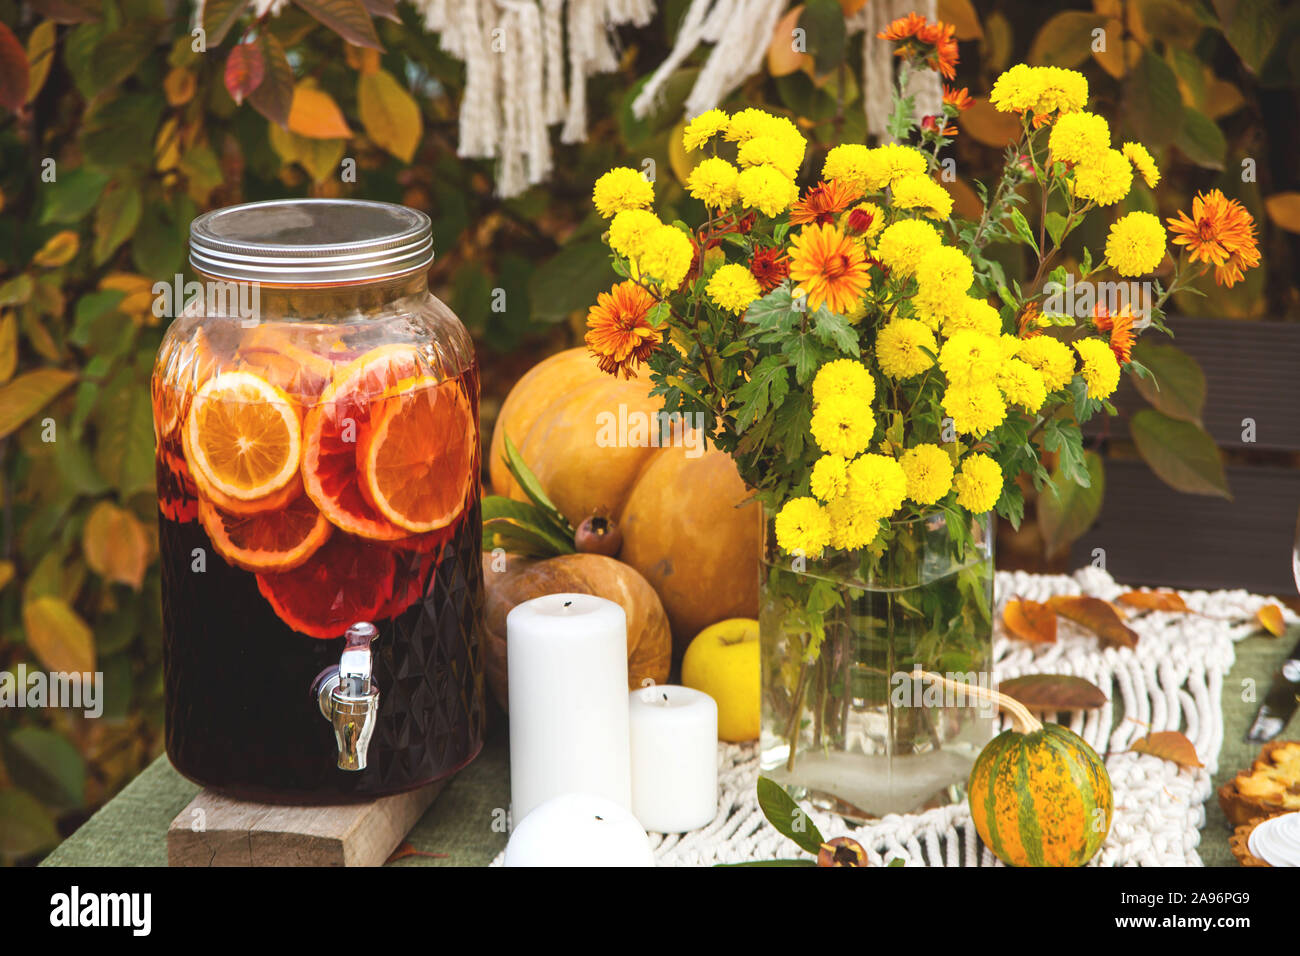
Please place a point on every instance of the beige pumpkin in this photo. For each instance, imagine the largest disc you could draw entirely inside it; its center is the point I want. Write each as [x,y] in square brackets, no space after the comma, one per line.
[649,643]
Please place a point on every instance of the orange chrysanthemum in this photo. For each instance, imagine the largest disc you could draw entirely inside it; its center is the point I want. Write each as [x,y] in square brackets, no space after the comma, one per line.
[823,202]
[1120,327]
[960,100]
[932,42]
[830,267]
[618,334]
[1221,232]
[770,267]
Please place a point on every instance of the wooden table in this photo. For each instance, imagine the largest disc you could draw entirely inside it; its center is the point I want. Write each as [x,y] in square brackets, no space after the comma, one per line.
[465,824]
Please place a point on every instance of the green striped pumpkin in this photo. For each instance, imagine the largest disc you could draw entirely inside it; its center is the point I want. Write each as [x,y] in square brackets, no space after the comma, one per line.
[1041,798]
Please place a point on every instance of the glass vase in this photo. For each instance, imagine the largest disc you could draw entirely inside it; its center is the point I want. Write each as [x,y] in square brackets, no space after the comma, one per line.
[846,723]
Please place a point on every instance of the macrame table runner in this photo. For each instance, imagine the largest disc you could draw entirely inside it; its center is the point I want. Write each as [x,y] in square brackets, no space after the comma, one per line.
[1172,680]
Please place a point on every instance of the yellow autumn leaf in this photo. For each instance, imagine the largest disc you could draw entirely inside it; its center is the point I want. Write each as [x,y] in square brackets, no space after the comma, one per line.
[1222,98]
[1284,209]
[320,157]
[782,57]
[137,289]
[6,573]
[8,346]
[179,86]
[57,636]
[363,59]
[58,250]
[115,545]
[986,125]
[28,394]
[389,113]
[40,56]
[314,114]
[167,145]
[1270,618]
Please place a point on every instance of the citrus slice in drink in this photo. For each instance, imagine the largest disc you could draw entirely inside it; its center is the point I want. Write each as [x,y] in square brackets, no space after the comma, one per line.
[346,581]
[242,435]
[270,352]
[235,506]
[272,541]
[416,456]
[331,433]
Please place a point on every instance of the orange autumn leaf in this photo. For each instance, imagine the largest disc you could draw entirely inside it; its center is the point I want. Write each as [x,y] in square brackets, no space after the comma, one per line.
[1096,615]
[1153,600]
[314,114]
[1270,618]
[1030,621]
[1169,745]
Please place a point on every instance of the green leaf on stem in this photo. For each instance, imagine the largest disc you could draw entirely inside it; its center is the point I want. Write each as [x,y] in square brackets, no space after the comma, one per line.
[1182,454]
[788,817]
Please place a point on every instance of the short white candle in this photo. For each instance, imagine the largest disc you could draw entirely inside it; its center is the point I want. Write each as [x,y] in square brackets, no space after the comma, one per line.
[579,829]
[674,757]
[566,662]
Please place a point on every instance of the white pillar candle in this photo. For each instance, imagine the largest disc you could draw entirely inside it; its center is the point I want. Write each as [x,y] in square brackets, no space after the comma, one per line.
[674,757]
[566,662]
[579,829]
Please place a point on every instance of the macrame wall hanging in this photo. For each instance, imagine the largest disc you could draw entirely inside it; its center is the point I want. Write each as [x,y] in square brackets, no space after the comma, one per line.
[527,63]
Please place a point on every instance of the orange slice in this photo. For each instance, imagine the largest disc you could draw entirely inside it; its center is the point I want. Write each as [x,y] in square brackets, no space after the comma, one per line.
[272,541]
[416,456]
[242,435]
[235,506]
[346,581]
[331,434]
[270,352]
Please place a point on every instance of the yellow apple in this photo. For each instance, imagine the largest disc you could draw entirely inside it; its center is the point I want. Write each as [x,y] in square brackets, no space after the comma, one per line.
[722,661]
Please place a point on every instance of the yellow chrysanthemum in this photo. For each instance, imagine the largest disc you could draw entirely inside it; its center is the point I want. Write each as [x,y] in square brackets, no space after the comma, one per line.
[929,473]
[892,163]
[979,484]
[975,409]
[877,485]
[848,164]
[767,189]
[844,377]
[1143,162]
[842,425]
[1105,181]
[945,267]
[975,315]
[714,183]
[830,477]
[853,525]
[703,128]
[803,527]
[936,305]
[969,357]
[901,245]
[751,123]
[1049,357]
[1079,138]
[918,191]
[667,256]
[1021,384]
[1017,89]
[1060,89]
[1136,244]
[628,231]
[784,154]
[1099,368]
[901,348]
[622,188]
[733,287]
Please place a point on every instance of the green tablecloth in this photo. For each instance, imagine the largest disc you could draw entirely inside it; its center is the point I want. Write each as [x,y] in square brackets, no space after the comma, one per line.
[464,823]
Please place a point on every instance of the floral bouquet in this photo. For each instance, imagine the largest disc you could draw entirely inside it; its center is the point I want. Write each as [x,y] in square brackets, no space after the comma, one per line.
[883,387]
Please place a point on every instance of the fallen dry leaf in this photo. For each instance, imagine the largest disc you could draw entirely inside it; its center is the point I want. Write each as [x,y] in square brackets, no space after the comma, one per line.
[1030,621]
[1054,692]
[1169,745]
[1270,618]
[1153,600]
[1096,615]
[406,848]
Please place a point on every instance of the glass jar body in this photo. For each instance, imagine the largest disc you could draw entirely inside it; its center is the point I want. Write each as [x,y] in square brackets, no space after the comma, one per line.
[843,722]
[261,578]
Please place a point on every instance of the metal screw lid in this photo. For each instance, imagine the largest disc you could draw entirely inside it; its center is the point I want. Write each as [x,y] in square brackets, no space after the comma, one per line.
[310,241]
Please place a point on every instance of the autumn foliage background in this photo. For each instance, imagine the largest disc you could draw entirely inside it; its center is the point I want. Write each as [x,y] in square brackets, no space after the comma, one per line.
[115,132]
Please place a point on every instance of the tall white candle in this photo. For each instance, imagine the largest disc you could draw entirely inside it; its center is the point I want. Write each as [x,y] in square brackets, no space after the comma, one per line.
[566,662]
[674,741]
